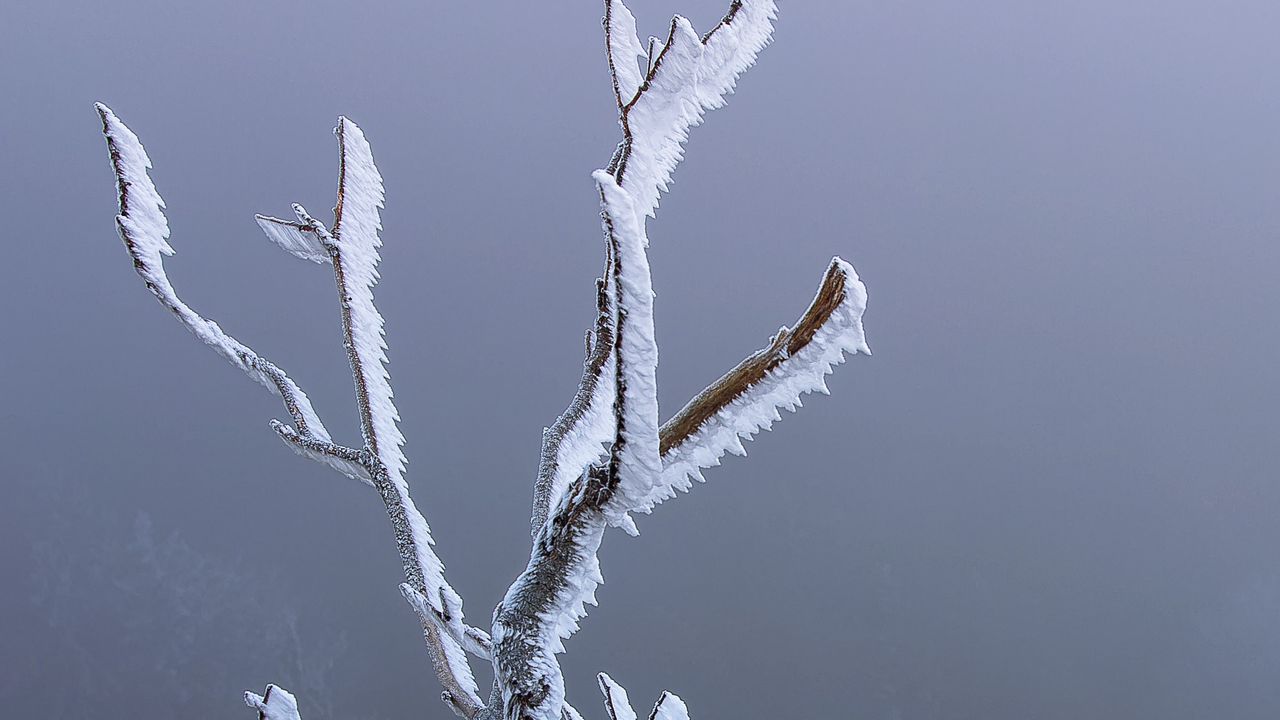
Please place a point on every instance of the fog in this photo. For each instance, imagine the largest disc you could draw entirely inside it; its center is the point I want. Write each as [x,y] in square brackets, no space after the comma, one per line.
[1051,493]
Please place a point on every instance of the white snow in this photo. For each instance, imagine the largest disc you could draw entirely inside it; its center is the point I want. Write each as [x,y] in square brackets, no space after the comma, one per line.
[624,50]
[581,444]
[615,699]
[669,707]
[349,468]
[637,351]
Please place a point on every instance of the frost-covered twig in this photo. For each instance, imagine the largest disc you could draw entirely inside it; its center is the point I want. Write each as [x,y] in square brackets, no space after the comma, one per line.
[145,232]
[618,705]
[352,250]
[274,704]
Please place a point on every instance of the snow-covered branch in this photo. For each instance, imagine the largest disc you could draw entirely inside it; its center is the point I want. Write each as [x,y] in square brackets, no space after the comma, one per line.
[145,231]
[575,439]
[273,704]
[352,251]
[618,705]
[606,456]
[581,488]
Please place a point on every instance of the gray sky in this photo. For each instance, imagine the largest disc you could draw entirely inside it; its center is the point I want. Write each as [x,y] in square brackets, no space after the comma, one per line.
[1050,494]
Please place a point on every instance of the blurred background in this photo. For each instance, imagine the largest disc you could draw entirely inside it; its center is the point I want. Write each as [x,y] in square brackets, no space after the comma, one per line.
[1052,492]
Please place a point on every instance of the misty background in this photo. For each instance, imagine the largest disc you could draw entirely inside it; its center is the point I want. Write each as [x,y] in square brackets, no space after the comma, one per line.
[1051,493]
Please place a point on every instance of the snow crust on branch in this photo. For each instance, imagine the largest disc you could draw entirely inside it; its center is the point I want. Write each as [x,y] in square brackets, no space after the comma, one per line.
[747,399]
[145,231]
[618,705]
[669,707]
[616,702]
[274,704]
[543,606]
[689,76]
[577,437]
[624,49]
[356,234]
[635,463]
[346,461]
[356,230]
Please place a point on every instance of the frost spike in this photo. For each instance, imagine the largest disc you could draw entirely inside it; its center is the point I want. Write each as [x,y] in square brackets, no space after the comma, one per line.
[294,238]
